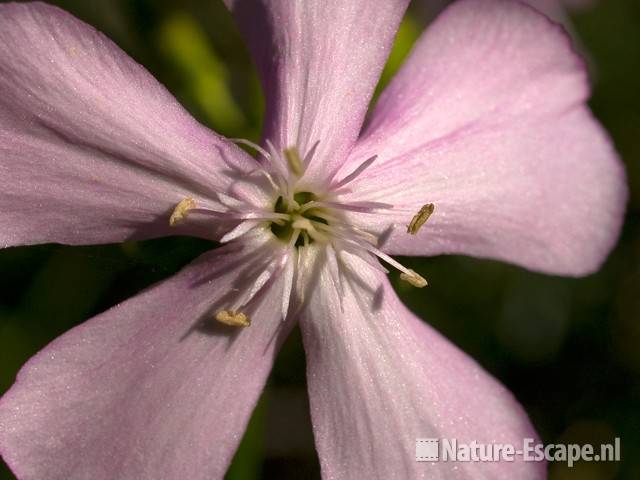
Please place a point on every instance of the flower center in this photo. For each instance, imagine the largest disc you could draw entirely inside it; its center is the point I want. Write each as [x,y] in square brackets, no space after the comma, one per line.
[306,219]
[298,218]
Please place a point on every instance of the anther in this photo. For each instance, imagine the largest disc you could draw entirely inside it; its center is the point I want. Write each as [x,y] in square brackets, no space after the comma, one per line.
[420,218]
[413,278]
[234,319]
[181,210]
[294,161]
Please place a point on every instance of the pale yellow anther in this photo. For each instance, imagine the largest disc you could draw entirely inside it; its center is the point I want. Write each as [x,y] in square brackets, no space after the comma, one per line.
[181,210]
[306,225]
[293,158]
[413,278]
[420,218]
[302,223]
[234,319]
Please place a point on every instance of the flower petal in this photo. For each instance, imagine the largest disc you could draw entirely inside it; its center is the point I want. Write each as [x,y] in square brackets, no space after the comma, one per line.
[92,148]
[379,378]
[319,62]
[487,121]
[153,388]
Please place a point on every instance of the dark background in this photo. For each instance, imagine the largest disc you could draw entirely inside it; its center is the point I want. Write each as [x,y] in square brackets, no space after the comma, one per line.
[567,348]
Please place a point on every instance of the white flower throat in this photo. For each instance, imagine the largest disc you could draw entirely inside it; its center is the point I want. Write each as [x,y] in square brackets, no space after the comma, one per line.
[299,219]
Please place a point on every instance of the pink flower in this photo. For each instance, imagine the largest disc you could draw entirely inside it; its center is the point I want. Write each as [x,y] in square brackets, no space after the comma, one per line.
[486,121]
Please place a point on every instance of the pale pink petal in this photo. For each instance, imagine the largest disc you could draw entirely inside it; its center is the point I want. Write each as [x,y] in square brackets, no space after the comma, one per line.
[152,389]
[319,61]
[379,378]
[92,148]
[487,121]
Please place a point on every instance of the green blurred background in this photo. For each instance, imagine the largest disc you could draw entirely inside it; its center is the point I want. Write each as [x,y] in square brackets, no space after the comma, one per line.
[569,349]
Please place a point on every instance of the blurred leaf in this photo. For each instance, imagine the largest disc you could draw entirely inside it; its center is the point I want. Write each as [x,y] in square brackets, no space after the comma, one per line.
[408,33]
[204,76]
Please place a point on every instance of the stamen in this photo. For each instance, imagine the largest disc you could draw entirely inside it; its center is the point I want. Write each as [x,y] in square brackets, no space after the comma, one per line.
[360,253]
[278,163]
[361,207]
[266,277]
[413,278]
[260,167]
[231,202]
[356,173]
[302,223]
[293,158]
[420,218]
[302,268]
[289,271]
[260,282]
[309,156]
[349,231]
[242,228]
[251,144]
[181,210]
[234,319]
[406,274]
[249,215]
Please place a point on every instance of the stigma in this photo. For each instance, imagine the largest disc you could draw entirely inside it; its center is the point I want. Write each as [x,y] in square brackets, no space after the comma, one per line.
[300,216]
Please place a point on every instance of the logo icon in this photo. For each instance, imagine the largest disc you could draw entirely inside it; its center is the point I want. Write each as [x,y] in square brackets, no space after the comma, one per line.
[427,449]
